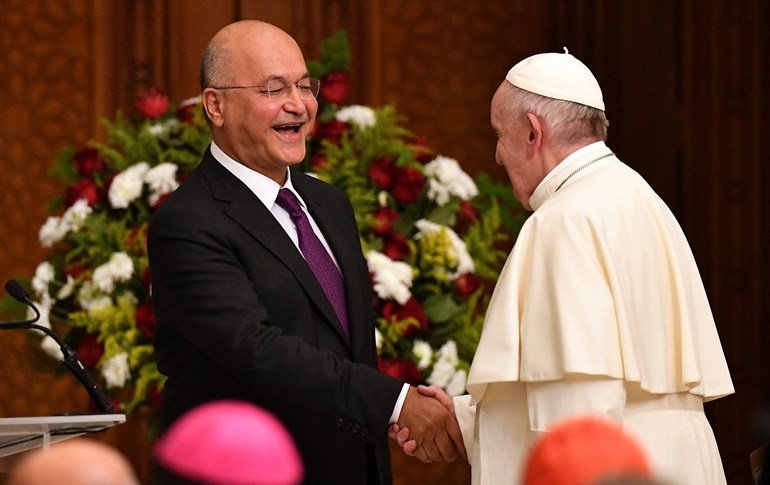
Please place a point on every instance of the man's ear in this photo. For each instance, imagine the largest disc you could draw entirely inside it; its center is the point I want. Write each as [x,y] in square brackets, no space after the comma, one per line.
[213,104]
[535,140]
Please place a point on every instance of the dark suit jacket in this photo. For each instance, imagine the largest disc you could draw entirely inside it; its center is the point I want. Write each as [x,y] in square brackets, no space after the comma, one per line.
[240,315]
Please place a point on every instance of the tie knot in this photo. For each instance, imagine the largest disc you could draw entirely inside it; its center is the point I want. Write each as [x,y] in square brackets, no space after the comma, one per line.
[289,202]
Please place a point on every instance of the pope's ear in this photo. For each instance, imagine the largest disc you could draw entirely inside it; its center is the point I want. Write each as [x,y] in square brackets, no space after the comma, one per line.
[213,103]
[535,129]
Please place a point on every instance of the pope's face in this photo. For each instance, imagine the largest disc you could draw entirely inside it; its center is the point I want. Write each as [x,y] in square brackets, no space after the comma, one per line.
[513,134]
[267,135]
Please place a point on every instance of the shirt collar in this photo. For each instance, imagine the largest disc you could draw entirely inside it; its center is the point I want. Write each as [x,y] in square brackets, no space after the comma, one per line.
[265,188]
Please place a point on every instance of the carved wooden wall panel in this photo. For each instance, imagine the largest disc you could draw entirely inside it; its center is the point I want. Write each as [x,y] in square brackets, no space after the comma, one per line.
[440,66]
[45,104]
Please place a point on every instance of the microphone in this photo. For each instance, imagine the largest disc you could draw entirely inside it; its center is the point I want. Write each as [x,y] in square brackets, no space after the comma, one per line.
[71,360]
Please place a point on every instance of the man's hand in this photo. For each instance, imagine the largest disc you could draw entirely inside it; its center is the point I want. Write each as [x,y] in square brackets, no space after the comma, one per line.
[427,428]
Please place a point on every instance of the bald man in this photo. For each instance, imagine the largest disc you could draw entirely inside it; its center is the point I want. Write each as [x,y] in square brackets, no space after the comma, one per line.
[259,284]
[78,461]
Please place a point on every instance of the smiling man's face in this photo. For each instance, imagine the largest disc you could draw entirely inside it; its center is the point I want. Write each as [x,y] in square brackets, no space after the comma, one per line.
[264,134]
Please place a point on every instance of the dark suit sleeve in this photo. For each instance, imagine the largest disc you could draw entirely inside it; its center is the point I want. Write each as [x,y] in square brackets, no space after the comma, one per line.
[211,309]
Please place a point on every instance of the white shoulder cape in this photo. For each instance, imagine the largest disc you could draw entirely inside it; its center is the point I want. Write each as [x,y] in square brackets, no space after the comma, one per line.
[601,281]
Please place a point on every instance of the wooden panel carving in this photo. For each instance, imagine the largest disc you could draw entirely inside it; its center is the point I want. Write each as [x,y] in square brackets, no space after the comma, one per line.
[441,66]
[45,105]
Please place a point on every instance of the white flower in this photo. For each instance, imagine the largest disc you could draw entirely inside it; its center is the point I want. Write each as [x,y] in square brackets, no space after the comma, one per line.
[127,185]
[377,338]
[115,370]
[362,116]
[190,101]
[156,129]
[459,251]
[44,274]
[67,289]
[161,179]
[448,352]
[392,279]
[51,348]
[424,353]
[98,304]
[445,178]
[76,215]
[87,294]
[442,372]
[118,268]
[456,385]
[52,232]
[445,365]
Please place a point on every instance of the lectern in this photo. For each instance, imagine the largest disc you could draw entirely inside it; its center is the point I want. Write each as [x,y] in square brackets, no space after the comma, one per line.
[22,434]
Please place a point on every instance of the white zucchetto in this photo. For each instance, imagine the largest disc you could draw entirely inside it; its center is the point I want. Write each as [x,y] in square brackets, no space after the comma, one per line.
[558,76]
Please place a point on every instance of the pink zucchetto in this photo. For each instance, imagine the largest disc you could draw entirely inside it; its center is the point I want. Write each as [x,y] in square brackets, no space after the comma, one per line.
[557,76]
[230,443]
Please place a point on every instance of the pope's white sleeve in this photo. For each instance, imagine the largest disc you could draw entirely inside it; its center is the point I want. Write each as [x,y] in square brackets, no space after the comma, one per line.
[552,401]
[466,418]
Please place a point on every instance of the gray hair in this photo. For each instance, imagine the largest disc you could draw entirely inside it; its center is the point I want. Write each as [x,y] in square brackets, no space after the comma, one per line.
[215,66]
[568,122]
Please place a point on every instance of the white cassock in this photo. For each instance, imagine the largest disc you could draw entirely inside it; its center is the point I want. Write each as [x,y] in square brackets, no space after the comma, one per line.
[599,308]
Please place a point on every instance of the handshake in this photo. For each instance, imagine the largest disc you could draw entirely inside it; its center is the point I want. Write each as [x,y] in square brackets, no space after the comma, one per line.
[427,427]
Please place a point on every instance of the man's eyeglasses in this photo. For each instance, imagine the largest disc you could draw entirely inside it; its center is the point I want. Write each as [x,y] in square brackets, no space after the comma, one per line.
[279,89]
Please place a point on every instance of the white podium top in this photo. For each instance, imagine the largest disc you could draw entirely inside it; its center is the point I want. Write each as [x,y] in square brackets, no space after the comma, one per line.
[22,434]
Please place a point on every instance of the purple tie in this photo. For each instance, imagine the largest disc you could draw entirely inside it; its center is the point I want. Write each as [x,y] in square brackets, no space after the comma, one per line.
[316,256]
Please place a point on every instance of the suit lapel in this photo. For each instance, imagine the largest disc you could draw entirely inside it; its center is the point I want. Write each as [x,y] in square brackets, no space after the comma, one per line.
[241,205]
[346,251]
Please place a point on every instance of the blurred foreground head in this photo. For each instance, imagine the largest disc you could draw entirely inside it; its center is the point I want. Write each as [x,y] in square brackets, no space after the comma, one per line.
[584,451]
[227,443]
[78,461]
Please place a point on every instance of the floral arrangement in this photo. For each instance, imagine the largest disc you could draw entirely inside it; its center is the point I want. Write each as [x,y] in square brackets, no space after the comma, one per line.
[430,234]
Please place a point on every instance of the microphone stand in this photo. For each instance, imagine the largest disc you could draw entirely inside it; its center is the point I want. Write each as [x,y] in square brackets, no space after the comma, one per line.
[71,360]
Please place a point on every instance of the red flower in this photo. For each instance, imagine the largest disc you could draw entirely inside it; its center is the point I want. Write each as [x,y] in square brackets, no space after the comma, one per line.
[393,312]
[155,394]
[89,350]
[423,154]
[335,87]
[383,220]
[396,247]
[318,160]
[152,104]
[145,319]
[76,269]
[185,112]
[408,186]
[331,130]
[161,199]
[404,369]
[467,214]
[466,284]
[146,277]
[381,172]
[87,161]
[84,189]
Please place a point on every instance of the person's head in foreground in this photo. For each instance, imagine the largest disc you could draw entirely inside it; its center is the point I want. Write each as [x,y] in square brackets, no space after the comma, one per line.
[548,106]
[582,451]
[227,443]
[78,461]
